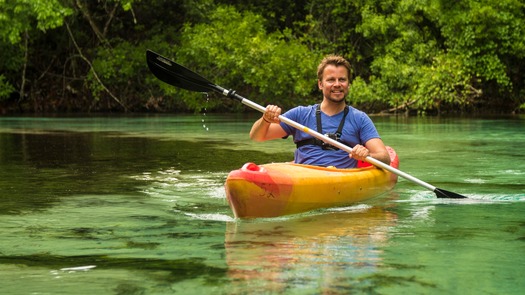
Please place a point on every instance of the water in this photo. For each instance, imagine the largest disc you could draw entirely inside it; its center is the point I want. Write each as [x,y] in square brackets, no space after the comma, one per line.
[135,205]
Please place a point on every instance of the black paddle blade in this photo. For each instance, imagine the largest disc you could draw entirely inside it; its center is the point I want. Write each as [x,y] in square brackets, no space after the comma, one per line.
[441,193]
[174,74]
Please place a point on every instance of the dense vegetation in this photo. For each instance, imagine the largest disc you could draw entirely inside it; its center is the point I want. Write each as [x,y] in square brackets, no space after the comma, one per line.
[419,56]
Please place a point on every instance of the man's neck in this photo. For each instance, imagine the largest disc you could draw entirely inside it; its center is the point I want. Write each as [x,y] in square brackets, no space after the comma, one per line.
[331,108]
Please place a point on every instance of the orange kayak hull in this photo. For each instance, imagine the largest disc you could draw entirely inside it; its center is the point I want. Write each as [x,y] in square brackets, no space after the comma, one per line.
[278,189]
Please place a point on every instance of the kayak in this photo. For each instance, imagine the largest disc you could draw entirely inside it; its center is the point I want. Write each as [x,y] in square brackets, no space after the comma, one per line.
[277,189]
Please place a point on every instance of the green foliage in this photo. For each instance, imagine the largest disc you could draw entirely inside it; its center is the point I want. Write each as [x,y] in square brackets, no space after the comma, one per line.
[117,65]
[19,16]
[235,50]
[122,67]
[5,88]
[482,33]
[430,53]
[406,54]
[18,19]
[126,4]
[12,60]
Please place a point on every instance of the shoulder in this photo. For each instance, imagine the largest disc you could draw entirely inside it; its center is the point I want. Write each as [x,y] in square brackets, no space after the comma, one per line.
[358,115]
[304,115]
[304,108]
[357,112]
[300,110]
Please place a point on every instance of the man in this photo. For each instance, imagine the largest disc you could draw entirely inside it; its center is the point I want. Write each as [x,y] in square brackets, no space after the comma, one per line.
[332,117]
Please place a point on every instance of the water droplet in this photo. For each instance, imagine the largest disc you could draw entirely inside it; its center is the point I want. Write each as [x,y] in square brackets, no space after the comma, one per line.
[205,109]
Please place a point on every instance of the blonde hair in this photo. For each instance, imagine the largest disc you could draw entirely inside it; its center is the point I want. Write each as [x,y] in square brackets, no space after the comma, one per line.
[335,60]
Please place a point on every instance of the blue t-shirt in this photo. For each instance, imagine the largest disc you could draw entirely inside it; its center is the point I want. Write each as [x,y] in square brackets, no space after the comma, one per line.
[358,129]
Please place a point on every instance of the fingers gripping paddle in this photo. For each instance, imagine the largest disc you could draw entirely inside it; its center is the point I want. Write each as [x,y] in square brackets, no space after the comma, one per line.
[174,74]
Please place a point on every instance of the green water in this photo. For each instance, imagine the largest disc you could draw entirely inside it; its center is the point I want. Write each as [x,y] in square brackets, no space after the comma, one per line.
[135,205]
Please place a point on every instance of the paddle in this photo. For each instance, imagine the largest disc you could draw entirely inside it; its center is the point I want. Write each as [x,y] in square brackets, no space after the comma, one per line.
[174,74]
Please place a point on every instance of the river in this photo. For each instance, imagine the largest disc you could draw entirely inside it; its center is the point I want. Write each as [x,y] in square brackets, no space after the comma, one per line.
[114,204]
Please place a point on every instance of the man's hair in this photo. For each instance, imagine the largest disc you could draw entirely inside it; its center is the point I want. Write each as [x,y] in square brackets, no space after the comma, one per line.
[335,60]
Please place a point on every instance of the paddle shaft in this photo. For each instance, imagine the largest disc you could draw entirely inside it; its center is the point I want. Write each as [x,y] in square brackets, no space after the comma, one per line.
[324,138]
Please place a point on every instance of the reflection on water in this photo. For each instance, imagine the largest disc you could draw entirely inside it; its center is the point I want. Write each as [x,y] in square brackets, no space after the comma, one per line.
[323,252]
[136,205]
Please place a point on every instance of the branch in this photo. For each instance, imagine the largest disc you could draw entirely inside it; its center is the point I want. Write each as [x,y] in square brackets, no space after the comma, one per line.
[404,106]
[93,69]
[24,69]
[110,18]
[91,22]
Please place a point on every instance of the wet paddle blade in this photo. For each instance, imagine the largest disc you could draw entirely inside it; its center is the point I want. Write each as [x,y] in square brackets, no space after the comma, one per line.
[443,194]
[177,75]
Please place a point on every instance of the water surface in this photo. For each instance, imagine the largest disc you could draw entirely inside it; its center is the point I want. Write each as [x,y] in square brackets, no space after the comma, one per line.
[135,205]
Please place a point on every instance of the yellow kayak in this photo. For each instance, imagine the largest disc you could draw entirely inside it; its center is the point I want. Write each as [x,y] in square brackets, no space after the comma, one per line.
[277,189]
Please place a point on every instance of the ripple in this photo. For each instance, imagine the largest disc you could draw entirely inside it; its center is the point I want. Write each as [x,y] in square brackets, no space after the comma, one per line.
[426,196]
[210,216]
[513,172]
[475,180]
[355,208]
[499,197]
[78,268]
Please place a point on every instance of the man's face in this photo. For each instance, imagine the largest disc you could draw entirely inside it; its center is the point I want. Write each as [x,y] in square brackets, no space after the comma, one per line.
[334,84]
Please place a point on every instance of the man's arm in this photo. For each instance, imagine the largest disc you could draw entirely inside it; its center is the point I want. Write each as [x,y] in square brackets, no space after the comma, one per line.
[268,127]
[263,130]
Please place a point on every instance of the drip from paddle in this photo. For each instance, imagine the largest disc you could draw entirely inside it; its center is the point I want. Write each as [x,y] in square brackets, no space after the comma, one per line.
[177,75]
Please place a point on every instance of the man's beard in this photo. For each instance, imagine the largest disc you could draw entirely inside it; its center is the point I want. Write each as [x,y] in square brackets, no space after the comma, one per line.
[334,100]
